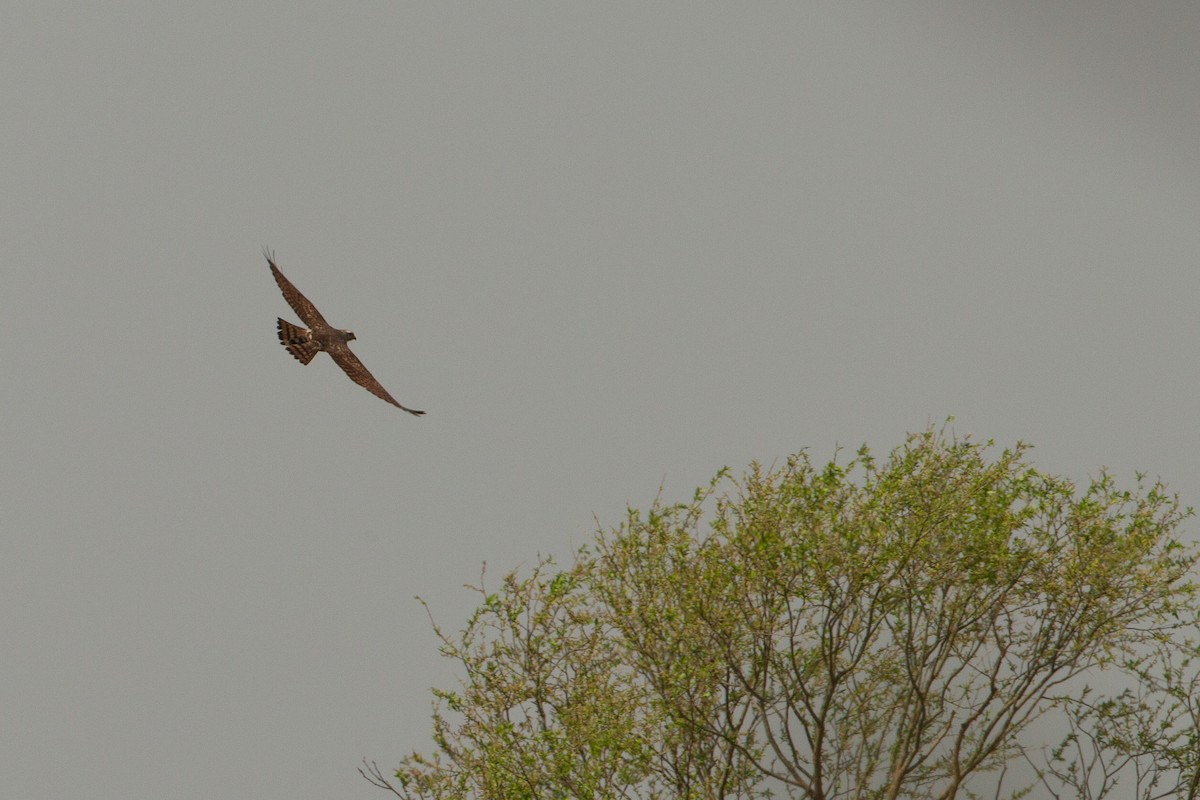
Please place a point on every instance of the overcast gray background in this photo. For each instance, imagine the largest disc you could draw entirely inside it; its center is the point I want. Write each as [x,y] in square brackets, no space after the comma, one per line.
[605,246]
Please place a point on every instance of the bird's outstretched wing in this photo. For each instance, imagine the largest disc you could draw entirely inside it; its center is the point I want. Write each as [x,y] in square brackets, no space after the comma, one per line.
[358,373]
[300,304]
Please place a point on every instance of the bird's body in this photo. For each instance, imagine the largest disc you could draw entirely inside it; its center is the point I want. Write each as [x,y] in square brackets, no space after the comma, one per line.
[305,343]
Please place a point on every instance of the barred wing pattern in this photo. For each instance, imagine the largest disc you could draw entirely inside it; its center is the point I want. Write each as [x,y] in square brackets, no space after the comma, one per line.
[358,373]
[300,304]
[305,343]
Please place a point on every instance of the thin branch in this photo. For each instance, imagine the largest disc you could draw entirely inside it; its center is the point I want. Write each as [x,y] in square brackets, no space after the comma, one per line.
[374,776]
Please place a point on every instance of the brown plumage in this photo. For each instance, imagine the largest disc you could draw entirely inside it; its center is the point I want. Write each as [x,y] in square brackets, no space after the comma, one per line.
[305,343]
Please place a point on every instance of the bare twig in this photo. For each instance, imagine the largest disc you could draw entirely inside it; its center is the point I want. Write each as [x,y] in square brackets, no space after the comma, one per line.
[374,775]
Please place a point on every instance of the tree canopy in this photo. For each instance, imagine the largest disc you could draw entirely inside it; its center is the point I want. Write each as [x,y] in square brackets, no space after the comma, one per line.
[942,623]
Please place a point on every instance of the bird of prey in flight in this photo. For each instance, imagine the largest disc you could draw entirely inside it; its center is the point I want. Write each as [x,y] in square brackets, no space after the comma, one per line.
[305,343]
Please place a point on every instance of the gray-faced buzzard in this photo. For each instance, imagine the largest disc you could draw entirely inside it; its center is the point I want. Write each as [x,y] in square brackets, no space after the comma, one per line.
[305,343]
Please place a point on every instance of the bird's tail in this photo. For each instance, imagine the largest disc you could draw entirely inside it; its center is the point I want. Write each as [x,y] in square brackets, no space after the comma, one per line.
[297,342]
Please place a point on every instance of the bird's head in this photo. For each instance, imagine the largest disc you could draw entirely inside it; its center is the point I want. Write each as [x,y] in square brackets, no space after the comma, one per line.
[350,337]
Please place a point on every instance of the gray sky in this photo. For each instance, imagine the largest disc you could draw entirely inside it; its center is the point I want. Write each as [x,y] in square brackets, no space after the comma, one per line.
[605,246]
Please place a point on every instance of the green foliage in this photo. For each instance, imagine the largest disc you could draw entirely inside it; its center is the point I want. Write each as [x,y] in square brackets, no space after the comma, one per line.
[861,630]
